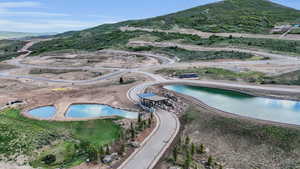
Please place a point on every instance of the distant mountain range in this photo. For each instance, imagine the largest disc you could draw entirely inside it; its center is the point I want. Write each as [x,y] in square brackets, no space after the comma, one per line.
[17,35]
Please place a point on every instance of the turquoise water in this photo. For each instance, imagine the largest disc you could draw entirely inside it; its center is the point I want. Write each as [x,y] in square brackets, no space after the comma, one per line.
[43,112]
[97,110]
[284,111]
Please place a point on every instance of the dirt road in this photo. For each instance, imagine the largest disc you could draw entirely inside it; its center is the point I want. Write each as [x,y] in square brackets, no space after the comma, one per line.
[208,34]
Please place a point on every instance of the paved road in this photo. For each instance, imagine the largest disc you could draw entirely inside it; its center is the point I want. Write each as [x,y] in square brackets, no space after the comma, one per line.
[151,151]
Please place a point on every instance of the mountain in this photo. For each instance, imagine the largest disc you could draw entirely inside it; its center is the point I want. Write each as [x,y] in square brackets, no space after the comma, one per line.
[250,16]
[16,35]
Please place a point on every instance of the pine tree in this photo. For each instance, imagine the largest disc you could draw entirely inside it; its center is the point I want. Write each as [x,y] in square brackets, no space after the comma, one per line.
[151,116]
[193,149]
[175,154]
[187,140]
[92,154]
[121,81]
[201,149]
[122,149]
[107,151]
[139,118]
[209,161]
[149,122]
[188,160]
[101,151]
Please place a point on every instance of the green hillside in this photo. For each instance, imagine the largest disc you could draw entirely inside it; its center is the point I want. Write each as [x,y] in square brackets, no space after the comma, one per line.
[254,16]
[10,48]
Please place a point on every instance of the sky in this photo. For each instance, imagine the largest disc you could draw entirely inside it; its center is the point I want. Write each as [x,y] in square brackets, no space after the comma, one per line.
[65,15]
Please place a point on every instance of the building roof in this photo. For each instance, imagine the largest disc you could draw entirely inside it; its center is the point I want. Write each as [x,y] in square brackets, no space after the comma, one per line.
[152,96]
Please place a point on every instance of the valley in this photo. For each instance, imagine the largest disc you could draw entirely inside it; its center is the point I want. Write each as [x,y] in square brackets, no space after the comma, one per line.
[210,87]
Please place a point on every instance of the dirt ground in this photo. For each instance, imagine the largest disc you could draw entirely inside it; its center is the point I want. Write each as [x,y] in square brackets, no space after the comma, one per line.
[63,95]
[64,74]
[91,59]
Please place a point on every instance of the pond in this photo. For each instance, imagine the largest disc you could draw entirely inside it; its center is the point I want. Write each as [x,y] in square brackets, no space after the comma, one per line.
[97,110]
[43,112]
[276,110]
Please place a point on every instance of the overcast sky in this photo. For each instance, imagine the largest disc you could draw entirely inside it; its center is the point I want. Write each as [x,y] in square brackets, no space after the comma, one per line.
[65,15]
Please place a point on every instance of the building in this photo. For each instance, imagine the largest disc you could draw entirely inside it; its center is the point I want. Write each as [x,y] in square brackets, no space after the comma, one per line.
[151,100]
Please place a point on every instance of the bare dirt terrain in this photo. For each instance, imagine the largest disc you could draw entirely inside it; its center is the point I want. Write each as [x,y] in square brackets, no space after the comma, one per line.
[91,59]
[64,95]
[278,64]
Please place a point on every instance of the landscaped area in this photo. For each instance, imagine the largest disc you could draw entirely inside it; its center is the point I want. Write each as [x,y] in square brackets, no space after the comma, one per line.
[67,141]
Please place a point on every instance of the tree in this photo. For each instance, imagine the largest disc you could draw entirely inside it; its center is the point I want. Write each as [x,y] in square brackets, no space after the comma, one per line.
[187,140]
[151,116]
[132,134]
[122,149]
[209,161]
[175,154]
[149,122]
[107,151]
[179,141]
[49,159]
[101,151]
[92,154]
[201,149]
[188,160]
[139,118]
[193,149]
[121,80]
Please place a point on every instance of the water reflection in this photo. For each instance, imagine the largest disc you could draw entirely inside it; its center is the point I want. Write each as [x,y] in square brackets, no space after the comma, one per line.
[284,111]
[97,110]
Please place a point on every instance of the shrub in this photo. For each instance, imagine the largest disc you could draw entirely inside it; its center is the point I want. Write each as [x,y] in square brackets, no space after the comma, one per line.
[49,159]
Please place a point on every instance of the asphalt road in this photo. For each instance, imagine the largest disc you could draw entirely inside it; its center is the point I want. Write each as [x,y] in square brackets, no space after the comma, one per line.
[152,150]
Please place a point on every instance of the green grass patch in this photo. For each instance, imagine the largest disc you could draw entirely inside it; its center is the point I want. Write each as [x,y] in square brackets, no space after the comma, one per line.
[20,135]
[9,49]
[190,56]
[217,74]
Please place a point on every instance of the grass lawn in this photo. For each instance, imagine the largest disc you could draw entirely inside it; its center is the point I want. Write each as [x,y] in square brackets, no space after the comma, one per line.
[20,135]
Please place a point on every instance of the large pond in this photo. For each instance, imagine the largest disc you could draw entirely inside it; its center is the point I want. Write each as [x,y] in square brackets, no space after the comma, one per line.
[284,111]
[43,112]
[97,110]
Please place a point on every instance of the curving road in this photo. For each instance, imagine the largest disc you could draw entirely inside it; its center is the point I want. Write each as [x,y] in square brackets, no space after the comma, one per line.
[152,149]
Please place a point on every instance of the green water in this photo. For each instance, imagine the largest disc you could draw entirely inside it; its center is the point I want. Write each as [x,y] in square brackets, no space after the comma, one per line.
[283,111]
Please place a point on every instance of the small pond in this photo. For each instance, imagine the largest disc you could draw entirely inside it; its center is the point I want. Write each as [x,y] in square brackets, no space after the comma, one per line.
[97,110]
[277,110]
[43,112]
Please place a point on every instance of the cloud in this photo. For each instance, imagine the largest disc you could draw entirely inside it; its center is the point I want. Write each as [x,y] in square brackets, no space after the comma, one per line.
[24,4]
[18,16]
[47,25]
[32,14]
[5,10]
